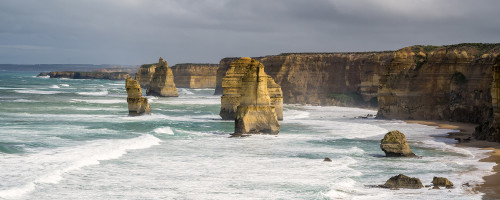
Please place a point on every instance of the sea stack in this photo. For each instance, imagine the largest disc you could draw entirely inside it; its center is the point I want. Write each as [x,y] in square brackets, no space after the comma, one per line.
[137,105]
[145,74]
[162,84]
[232,84]
[394,144]
[255,114]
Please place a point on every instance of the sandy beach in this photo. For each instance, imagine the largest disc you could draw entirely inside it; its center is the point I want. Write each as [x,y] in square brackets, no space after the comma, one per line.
[491,186]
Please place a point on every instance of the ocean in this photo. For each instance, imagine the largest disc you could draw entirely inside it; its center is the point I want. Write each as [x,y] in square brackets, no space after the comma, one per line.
[73,139]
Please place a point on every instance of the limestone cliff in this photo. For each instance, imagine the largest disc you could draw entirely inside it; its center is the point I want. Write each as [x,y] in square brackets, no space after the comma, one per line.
[90,75]
[195,75]
[232,83]
[162,83]
[454,82]
[255,114]
[438,83]
[343,79]
[145,74]
[137,105]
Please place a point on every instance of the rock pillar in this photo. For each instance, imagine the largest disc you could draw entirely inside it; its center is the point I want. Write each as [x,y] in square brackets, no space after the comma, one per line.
[232,83]
[254,114]
[162,84]
[137,105]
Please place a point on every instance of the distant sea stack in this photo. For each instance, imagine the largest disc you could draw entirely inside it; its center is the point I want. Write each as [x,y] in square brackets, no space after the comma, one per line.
[145,74]
[233,82]
[162,84]
[255,114]
[192,75]
[137,105]
[88,75]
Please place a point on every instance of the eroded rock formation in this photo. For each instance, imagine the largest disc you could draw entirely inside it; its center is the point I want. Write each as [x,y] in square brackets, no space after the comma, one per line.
[233,82]
[195,75]
[145,74]
[394,144]
[442,182]
[137,105]
[454,83]
[402,181]
[162,83]
[255,114]
[90,75]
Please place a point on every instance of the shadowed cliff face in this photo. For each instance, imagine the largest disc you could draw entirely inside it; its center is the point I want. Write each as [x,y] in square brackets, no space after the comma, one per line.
[195,75]
[440,83]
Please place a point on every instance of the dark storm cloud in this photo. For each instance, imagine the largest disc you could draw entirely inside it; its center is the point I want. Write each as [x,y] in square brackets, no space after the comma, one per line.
[139,31]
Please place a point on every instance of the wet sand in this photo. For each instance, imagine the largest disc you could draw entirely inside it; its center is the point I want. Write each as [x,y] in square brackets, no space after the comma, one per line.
[491,186]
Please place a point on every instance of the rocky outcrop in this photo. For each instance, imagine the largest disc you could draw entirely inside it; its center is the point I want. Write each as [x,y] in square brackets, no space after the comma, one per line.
[453,83]
[90,75]
[145,74]
[191,75]
[255,114]
[43,74]
[442,182]
[394,144]
[439,83]
[162,84]
[402,181]
[137,105]
[233,82]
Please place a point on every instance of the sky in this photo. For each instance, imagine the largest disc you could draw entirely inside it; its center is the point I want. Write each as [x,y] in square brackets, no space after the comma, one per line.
[205,31]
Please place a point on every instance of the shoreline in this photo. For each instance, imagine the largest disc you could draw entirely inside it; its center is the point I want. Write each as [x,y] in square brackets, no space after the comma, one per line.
[491,185]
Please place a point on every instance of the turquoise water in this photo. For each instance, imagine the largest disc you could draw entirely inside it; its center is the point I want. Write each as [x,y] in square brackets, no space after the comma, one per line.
[73,139]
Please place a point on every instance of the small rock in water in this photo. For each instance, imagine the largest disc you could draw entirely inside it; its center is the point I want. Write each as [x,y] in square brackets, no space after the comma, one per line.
[443,182]
[435,188]
[402,181]
[394,144]
[327,159]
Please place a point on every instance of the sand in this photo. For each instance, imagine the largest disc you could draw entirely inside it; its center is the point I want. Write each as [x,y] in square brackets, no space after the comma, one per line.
[491,186]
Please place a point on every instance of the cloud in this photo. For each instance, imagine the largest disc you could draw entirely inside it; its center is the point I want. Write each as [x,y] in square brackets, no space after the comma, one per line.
[139,31]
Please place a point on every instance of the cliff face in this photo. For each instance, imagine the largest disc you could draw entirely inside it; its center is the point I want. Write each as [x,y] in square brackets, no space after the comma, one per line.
[438,83]
[195,75]
[90,75]
[345,79]
[145,74]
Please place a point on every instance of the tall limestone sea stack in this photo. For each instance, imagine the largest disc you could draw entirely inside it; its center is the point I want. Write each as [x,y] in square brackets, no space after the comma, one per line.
[137,105]
[232,84]
[255,114]
[162,83]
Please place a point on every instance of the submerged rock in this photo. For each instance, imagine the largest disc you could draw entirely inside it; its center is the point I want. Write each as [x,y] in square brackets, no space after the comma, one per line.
[327,159]
[162,84]
[394,144]
[442,182]
[402,181]
[137,105]
[255,114]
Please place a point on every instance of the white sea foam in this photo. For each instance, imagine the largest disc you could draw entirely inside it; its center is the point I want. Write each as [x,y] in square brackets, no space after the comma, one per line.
[36,92]
[184,91]
[48,167]
[101,101]
[99,93]
[164,130]
[24,101]
[42,76]
[54,86]
[64,85]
